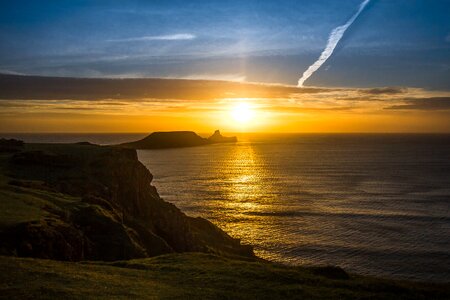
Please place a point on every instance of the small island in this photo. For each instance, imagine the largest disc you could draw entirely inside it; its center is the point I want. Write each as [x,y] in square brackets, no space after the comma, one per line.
[177,139]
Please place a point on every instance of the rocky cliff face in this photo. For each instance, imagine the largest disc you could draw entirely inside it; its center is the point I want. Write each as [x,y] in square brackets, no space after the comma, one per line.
[99,204]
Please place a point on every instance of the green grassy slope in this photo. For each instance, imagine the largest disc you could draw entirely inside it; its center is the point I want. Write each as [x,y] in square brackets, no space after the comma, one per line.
[194,276]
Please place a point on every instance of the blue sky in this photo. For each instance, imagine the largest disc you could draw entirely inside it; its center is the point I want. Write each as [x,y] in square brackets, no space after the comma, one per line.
[392,43]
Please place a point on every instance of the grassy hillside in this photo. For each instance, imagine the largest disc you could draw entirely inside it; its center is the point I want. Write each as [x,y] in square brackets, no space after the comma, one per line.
[87,202]
[195,275]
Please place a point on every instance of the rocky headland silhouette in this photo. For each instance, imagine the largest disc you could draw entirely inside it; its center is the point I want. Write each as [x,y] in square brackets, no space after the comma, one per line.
[177,139]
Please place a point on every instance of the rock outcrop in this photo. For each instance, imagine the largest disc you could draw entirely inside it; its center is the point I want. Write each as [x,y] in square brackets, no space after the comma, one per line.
[97,203]
[10,145]
[219,138]
[177,139]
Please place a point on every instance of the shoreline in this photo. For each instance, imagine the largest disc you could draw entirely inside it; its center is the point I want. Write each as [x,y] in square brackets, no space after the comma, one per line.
[63,159]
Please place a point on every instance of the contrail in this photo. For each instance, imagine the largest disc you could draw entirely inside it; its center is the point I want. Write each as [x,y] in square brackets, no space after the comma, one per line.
[335,36]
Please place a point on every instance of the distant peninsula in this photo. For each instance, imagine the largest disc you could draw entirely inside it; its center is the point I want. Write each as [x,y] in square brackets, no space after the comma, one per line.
[177,139]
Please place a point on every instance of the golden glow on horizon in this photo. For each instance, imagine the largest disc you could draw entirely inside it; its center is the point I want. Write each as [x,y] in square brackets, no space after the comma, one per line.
[272,109]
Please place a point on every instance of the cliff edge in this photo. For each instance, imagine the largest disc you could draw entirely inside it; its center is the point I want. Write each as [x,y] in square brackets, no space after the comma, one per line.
[88,202]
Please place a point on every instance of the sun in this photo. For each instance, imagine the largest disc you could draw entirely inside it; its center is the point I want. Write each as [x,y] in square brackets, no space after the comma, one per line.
[242,113]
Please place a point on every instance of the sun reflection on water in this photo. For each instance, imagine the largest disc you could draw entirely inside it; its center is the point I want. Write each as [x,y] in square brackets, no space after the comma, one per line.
[245,192]
[243,173]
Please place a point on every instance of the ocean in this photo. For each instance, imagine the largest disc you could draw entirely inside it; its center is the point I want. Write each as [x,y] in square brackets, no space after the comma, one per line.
[374,204]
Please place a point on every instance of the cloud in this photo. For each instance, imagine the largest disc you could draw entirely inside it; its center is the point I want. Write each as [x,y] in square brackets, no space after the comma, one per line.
[14,87]
[433,103]
[9,72]
[304,109]
[383,91]
[221,77]
[169,37]
[333,40]
[27,94]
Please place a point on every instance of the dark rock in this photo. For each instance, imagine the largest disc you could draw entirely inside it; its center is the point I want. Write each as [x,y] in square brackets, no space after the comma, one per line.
[43,159]
[218,138]
[10,145]
[331,272]
[107,237]
[176,139]
[51,240]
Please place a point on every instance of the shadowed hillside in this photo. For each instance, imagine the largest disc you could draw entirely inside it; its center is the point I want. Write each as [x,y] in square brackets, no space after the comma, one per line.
[82,201]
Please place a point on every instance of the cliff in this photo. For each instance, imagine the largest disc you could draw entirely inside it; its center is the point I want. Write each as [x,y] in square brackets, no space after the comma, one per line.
[177,139]
[88,202]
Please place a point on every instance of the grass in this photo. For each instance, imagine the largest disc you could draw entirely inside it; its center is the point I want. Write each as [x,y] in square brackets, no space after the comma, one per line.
[194,276]
[16,208]
[28,199]
[25,204]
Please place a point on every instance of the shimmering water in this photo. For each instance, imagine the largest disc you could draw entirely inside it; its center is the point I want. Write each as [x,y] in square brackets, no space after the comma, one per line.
[372,204]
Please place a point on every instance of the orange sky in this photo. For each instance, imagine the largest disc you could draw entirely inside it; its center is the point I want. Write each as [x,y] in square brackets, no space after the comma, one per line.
[204,106]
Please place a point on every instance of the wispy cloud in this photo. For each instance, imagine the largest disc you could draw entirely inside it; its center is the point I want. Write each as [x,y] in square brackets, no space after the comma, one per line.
[433,103]
[9,72]
[384,91]
[47,88]
[221,77]
[335,36]
[168,37]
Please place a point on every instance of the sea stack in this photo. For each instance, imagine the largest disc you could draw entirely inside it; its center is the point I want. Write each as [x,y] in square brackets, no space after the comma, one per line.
[218,138]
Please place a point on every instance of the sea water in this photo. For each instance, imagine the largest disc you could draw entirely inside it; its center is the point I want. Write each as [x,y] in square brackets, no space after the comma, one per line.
[375,204]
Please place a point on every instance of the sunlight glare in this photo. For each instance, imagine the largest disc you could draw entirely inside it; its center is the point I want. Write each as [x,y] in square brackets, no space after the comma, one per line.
[242,113]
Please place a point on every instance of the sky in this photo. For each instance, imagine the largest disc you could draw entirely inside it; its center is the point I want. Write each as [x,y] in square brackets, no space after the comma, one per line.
[39,104]
[393,42]
[399,49]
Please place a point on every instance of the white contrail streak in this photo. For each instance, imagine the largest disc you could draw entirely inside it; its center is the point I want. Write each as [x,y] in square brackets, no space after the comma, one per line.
[335,36]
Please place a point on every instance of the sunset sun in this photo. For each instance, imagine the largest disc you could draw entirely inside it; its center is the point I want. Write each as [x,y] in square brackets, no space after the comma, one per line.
[242,113]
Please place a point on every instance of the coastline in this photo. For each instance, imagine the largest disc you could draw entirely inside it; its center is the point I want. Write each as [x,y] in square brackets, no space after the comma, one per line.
[219,264]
